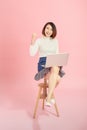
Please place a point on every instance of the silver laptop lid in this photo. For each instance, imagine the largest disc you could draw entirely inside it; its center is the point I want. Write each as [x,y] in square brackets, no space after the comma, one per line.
[59,59]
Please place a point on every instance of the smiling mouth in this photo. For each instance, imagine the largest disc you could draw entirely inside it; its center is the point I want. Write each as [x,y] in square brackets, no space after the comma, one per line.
[48,33]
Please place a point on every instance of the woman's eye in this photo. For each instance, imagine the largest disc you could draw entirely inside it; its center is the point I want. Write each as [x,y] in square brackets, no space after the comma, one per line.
[47,28]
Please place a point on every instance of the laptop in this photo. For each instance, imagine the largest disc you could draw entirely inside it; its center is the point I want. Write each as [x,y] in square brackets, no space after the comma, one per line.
[59,59]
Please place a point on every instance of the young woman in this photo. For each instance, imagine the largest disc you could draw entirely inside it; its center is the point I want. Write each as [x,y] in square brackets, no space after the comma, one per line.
[47,45]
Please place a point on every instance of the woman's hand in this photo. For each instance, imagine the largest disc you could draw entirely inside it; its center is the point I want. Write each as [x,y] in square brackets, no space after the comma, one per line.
[33,39]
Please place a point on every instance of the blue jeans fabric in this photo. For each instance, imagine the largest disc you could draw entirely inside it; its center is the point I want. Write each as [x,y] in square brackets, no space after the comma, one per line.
[42,61]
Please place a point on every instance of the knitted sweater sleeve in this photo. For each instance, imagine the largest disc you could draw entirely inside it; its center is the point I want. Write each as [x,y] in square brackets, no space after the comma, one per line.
[34,48]
[57,47]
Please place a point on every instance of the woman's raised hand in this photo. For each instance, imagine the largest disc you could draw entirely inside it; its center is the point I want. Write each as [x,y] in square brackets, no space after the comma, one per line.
[33,39]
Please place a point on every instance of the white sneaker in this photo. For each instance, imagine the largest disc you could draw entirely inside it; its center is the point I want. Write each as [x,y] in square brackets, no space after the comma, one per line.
[48,104]
[52,101]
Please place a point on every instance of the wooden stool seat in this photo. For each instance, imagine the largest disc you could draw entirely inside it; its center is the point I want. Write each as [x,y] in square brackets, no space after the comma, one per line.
[42,94]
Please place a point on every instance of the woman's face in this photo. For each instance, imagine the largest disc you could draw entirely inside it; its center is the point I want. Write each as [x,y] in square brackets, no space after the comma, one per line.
[48,30]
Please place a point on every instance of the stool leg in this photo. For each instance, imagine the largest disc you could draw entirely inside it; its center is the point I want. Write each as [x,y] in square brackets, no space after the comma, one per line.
[56,106]
[43,103]
[37,100]
[44,96]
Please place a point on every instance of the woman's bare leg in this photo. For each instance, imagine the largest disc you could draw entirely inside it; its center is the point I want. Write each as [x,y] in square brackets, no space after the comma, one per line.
[53,80]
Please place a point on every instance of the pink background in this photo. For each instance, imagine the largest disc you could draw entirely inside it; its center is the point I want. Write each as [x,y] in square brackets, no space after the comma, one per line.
[18,20]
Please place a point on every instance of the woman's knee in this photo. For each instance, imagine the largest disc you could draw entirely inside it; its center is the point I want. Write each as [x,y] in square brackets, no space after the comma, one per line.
[55,69]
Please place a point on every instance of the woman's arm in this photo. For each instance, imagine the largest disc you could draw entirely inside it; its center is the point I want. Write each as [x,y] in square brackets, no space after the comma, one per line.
[34,45]
[33,39]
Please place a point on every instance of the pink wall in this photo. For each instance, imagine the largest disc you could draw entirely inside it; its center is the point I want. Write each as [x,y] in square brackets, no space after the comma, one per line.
[20,18]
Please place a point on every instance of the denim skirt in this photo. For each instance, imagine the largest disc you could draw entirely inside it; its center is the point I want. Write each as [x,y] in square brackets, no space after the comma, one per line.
[41,63]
